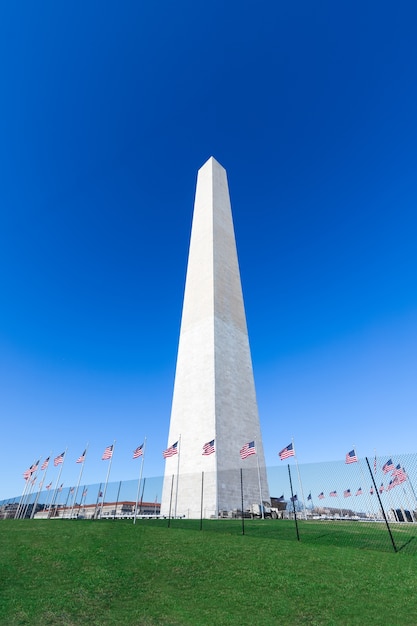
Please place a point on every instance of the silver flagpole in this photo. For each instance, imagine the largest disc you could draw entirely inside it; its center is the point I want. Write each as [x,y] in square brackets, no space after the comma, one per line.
[216,478]
[32,495]
[259,482]
[139,481]
[28,496]
[65,508]
[299,480]
[41,485]
[37,498]
[21,498]
[95,514]
[58,499]
[107,479]
[57,483]
[178,473]
[48,500]
[25,498]
[18,511]
[79,480]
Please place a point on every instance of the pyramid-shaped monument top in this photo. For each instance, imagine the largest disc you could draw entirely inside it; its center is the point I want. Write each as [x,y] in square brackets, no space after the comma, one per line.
[213,281]
[214,392]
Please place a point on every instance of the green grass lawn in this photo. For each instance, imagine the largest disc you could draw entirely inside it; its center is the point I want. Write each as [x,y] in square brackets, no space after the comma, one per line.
[77,573]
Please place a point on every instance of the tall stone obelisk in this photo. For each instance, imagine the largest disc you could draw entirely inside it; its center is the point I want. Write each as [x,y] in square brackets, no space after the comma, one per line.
[214,392]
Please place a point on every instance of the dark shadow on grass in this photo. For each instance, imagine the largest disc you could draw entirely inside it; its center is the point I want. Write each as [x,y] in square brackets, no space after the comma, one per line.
[405,544]
[317,537]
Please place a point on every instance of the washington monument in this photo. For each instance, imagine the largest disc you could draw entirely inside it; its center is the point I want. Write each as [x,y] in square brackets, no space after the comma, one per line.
[214,399]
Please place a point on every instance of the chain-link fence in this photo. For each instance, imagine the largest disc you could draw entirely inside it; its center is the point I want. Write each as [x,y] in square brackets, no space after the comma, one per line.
[368,502]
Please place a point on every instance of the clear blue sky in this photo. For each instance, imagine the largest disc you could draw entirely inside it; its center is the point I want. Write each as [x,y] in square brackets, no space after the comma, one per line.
[107,112]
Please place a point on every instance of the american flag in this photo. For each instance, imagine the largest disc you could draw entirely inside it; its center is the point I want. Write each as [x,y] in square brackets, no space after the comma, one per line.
[359,492]
[333,494]
[208,448]
[351,457]
[138,452]
[59,459]
[48,486]
[388,466]
[397,480]
[27,473]
[45,463]
[321,496]
[84,492]
[294,498]
[346,493]
[391,484]
[60,487]
[372,491]
[247,450]
[72,489]
[287,452]
[35,467]
[381,489]
[108,453]
[171,451]
[81,458]
[100,494]
[399,475]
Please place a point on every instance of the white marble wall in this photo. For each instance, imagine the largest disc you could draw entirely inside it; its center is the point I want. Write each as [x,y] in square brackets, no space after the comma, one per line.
[214,392]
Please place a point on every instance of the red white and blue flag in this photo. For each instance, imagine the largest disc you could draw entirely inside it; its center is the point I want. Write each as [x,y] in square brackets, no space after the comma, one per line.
[45,463]
[28,473]
[171,451]
[287,452]
[108,453]
[321,496]
[208,448]
[59,459]
[138,452]
[333,494]
[81,458]
[351,457]
[346,493]
[388,466]
[359,492]
[247,450]
[399,475]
